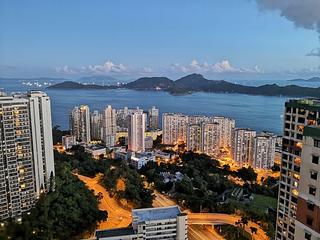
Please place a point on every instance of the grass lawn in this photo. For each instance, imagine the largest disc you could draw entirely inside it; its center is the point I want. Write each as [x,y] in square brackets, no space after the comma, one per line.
[259,204]
[263,202]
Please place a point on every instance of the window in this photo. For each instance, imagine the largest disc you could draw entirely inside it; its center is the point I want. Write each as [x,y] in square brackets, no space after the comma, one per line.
[307,236]
[310,206]
[315,159]
[312,190]
[313,175]
[309,221]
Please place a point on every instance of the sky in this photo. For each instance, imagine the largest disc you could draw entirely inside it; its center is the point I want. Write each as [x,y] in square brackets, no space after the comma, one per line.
[229,39]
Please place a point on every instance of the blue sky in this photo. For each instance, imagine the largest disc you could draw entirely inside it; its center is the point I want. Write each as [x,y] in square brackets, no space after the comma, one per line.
[231,39]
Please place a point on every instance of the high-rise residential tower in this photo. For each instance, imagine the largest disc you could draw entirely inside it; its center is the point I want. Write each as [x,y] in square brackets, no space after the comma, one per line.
[298,114]
[17,190]
[153,116]
[80,123]
[109,126]
[136,131]
[307,224]
[226,126]
[210,138]
[264,150]
[26,151]
[41,127]
[243,146]
[194,137]
[174,128]
[96,125]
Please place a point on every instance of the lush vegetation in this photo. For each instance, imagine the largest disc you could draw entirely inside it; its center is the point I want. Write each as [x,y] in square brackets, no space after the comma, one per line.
[131,187]
[205,187]
[201,186]
[112,172]
[69,212]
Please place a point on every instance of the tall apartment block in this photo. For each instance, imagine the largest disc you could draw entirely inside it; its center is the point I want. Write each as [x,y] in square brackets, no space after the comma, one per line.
[264,150]
[41,127]
[26,151]
[96,125]
[122,118]
[307,224]
[109,126]
[80,123]
[136,131]
[298,114]
[243,146]
[203,138]
[210,138]
[174,128]
[194,137]
[227,126]
[153,116]
[151,223]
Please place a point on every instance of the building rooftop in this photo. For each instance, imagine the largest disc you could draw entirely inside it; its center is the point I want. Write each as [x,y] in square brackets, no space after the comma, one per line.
[312,131]
[152,214]
[114,232]
[312,104]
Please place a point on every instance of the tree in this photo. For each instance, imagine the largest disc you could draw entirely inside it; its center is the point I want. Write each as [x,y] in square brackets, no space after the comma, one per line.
[65,213]
[247,174]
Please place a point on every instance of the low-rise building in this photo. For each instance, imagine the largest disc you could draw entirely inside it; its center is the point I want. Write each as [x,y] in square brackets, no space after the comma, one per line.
[68,141]
[96,151]
[151,223]
[169,177]
[138,160]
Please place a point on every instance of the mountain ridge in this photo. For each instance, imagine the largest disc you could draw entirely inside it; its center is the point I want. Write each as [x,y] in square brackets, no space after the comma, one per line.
[197,83]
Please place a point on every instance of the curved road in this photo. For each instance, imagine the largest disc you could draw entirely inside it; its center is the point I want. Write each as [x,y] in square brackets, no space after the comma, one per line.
[120,217]
[117,216]
[221,219]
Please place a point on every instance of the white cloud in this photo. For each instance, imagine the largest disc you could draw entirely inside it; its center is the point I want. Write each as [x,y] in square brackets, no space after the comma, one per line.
[220,67]
[106,68]
[65,70]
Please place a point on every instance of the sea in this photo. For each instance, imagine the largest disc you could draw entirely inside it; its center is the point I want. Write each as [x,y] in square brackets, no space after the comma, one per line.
[260,113]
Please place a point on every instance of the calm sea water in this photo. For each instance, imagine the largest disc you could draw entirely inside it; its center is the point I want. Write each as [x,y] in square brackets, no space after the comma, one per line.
[256,112]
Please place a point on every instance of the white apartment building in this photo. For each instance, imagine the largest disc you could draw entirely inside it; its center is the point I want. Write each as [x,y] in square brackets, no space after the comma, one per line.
[174,128]
[210,138]
[136,131]
[139,160]
[41,127]
[109,127]
[151,223]
[26,151]
[264,151]
[68,141]
[17,189]
[243,146]
[227,126]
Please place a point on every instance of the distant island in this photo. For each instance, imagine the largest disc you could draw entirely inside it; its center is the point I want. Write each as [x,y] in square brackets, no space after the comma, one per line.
[197,83]
[314,79]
